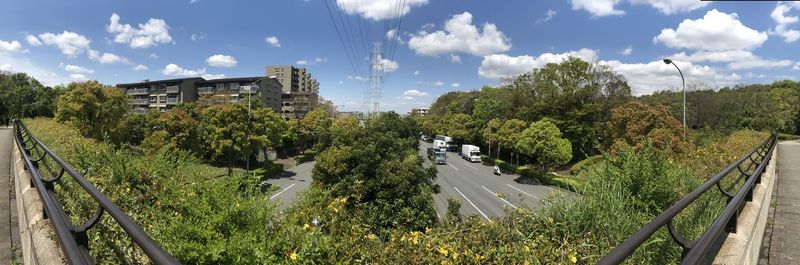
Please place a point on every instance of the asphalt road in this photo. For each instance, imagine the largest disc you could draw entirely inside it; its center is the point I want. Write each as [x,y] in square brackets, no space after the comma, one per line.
[480,192]
[289,183]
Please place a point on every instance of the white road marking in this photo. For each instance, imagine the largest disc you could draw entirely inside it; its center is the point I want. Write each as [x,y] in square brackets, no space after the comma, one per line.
[524,192]
[473,205]
[452,166]
[279,193]
[495,194]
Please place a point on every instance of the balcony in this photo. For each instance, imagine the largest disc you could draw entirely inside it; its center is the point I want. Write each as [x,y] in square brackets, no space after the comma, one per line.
[138,101]
[172,101]
[173,89]
[138,91]
[205,90]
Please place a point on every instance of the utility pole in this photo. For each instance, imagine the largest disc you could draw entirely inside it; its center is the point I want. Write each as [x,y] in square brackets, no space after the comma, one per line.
[683,81]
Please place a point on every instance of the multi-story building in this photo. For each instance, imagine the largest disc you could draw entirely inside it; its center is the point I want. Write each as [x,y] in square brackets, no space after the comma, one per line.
[225,90]
[300,91]
[419,112]
[165,94]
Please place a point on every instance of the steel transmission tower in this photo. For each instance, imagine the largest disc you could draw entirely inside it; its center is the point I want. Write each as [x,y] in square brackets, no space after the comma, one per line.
[376,70]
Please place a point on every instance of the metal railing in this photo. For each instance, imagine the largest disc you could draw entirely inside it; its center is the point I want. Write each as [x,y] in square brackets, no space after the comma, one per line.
[205,90]
[695,252]
[138,101]
[173,89]
[137,91]
[172,101]
[73,239]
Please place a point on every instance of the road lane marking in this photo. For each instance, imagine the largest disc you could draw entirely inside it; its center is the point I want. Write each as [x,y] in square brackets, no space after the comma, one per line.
[473,205]
[524,192]
[452,166]
[476,169]
[279,193]
[495,194]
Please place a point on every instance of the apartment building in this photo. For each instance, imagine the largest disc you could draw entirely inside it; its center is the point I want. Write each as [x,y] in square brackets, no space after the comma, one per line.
[299,91]
[162,95]
[419,112]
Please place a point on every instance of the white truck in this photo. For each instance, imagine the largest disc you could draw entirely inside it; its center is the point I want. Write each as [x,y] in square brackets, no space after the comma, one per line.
[448,142]
[439,144]
[471,153]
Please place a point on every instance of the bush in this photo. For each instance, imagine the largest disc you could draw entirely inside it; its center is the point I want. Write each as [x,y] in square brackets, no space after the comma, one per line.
[588,162]
[306,156]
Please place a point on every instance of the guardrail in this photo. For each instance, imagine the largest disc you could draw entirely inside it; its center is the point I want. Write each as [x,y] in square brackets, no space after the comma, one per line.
[695,252]
[73,238]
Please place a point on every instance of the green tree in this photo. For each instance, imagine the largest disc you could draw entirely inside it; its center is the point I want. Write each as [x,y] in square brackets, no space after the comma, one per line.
[177,128]
[315,126]
[543,141]
[267,131]
[225,132]
[23,96]
[96,110]
[635,124]
[510,133]
[491,134]
[459,126]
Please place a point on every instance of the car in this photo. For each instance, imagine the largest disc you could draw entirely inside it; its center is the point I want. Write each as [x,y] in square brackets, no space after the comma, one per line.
[425,138]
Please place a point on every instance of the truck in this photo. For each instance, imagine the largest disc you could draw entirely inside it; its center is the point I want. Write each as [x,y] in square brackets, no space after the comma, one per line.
[438,156]
[439,144]
[448,142]
[471,153]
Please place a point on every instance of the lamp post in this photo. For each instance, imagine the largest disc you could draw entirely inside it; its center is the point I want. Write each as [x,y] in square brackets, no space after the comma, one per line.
[683,81]
[249,116]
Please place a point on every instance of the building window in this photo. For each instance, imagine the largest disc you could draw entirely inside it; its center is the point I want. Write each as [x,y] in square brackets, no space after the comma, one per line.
[220,86]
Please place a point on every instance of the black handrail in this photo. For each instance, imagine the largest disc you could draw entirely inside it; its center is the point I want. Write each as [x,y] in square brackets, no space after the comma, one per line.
[73,238]
[694,252]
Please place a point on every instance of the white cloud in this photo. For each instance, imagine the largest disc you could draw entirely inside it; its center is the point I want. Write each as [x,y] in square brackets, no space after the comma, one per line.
[70,43]
[627,51]
[212,76]
[417,72]
[140,67]
[193,1]
[379,9]
[32,40]
[716,31]
[386,65]
[736,59]
[152,33]
[357,78]
[460,35]
[669,7]
[78,77]
[74,69]
[107,58]
[783,21]
[12,46]
[11,63]
[646,78]
[175,70]
[413,93]
[317,60]
[392,35]
[272,40]
[602,8]
[220,60]
[548,16]
[598,8]
[796,66]
[438,83]
[153,56]
[198,36]
[455,85]
[455,58]
[499,66]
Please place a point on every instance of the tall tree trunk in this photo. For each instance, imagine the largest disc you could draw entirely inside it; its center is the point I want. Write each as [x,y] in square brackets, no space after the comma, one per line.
[498,151]
[230,164]
[490,149]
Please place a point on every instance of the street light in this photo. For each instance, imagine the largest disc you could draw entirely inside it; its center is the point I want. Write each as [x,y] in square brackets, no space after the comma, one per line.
[683,81]
[249,106]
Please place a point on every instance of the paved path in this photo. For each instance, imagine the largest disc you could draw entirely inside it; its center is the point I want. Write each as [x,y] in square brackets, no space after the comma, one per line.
[289,183]
[784,247]
[7,223]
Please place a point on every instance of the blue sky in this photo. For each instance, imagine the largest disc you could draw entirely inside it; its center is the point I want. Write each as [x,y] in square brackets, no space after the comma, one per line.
[443,45]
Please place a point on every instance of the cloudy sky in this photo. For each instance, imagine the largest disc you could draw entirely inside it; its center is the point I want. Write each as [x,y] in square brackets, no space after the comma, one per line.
[429,47]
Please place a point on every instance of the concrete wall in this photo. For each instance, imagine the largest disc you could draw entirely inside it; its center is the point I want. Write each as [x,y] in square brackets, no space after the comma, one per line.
[743,246]
[38,240]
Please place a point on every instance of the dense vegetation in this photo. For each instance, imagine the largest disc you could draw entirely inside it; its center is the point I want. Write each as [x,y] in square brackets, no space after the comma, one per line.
[23,96]
[371,197]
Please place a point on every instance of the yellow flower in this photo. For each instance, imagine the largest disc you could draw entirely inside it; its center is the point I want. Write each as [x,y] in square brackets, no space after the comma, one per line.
[573,258]
[306,226]
[372,237]
[293,256]
[443,251]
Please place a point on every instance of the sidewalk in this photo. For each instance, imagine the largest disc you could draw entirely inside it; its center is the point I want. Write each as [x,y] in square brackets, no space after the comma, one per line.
[9,234]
